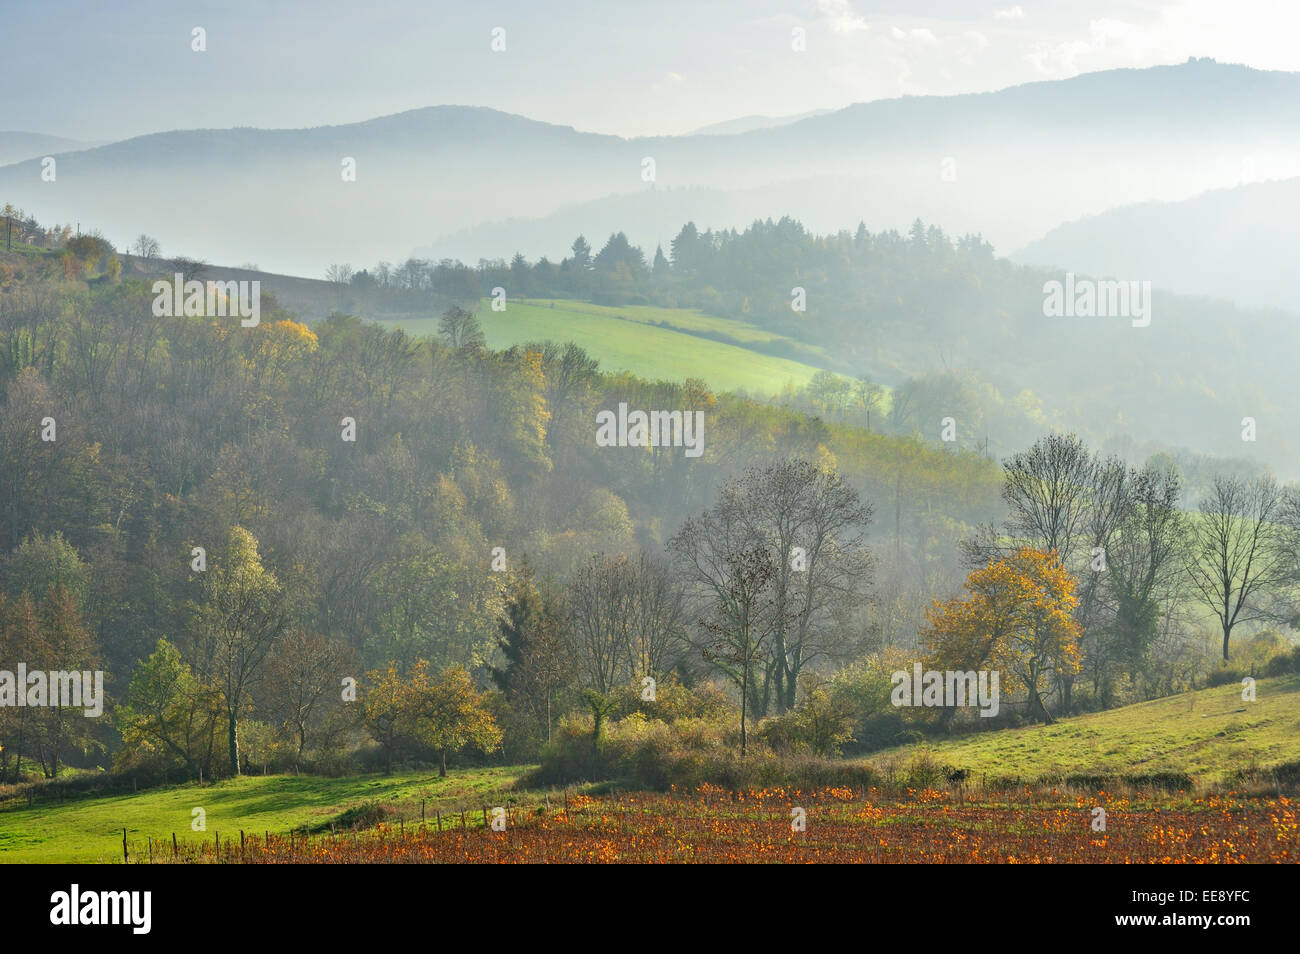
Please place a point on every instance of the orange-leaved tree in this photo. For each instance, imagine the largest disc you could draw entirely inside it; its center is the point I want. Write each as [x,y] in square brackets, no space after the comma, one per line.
[1015,615]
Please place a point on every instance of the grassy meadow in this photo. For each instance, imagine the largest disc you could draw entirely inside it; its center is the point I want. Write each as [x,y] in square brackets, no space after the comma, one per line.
[1210,735]
[90,830]
[655,343]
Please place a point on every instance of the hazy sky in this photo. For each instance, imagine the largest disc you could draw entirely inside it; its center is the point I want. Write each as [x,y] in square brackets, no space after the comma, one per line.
[89,69]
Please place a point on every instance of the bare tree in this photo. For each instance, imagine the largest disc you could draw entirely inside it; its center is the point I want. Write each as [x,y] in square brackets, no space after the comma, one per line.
[868,397]
[658,631]
[461,329]
[146,247]
[737,618]
[627,616]
[627,623]
[1064,499]
[731,577]
[303,677]
[339,274]
[812,524]
[1285,607]
[1238,549]
[601,600]
[1048,489]
[1107,502]
[1144,564]
[191,269]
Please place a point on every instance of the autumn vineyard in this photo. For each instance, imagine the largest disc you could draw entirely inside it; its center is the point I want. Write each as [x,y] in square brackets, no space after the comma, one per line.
[842,826]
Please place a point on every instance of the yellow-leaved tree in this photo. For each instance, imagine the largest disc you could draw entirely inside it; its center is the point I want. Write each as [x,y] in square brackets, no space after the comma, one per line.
[1014,615]
[445,712]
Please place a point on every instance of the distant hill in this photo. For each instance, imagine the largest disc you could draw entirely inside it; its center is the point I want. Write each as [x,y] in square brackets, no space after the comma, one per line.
[1022,160]
[744,124]
[996,163]
[1241,244]
[17,146]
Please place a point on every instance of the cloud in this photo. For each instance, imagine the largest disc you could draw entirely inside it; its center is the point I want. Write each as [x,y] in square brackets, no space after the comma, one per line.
[921,35]
[1010,13]
[1110,43]
[841,16]
[671,80]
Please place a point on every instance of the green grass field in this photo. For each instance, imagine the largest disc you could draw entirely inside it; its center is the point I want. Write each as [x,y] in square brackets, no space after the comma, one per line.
[633,338]
[1208,734]
[90,830]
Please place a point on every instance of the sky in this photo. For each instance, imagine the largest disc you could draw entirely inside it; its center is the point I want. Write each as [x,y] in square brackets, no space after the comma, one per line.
[91,70]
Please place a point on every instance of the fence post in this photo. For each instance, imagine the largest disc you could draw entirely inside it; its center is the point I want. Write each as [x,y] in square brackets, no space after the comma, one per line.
[173,844]
[125,859]
[439,814]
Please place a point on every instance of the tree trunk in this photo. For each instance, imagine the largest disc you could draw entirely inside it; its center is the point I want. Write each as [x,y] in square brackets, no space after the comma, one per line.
[778,653]
[946,716]
[442,769]
[1227,631]
[744,705]
[18,762]
[233,737]
[1037,708]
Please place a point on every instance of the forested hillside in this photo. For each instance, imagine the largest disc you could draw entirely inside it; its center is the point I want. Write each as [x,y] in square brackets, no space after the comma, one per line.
[957,331]
[129,439]
[250,525]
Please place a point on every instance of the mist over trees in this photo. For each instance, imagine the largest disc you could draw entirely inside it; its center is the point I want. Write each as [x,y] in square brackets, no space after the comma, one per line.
[328,546]
[928,315]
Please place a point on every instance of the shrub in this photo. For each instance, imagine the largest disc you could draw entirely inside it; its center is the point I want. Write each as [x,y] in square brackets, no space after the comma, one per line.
[1223,676]
[356,818]
[1283,664]
[674,701]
